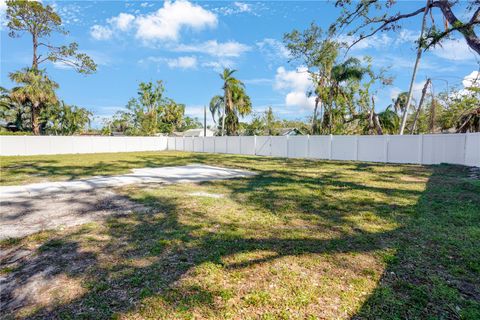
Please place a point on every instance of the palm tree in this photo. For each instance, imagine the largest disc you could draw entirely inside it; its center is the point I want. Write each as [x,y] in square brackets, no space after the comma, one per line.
[37,91]
[217,107]
[13,112]
[338,88]
[235,102]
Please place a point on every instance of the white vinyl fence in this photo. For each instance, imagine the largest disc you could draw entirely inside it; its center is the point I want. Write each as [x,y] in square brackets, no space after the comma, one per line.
[37,145]
[420,149]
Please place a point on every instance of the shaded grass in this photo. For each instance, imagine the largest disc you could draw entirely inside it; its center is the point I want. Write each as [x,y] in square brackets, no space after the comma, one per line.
[301,240]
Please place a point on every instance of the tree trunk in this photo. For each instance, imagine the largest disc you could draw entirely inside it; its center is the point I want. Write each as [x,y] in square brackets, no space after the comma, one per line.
[375,121]
[314,118]
[424,92]
[225,101]
[35,122]
[415,68]
[378,125]
[35,57]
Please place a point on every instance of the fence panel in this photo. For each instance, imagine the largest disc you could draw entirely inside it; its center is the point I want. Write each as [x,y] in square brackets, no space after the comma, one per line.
[171,143]
[344,148]
[179,144]
[404,149]
[263,146]
[279,146]
[472,149]
[372,148]
[443,149]
[188,144]
[220,144]
[13,145]
[298,146]
[210,144]
[198,144]
[247,145]
[82,144]
[161,143]
[233,145]
[320,147]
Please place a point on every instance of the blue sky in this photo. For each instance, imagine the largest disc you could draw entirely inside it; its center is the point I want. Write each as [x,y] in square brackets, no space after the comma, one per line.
[186,44]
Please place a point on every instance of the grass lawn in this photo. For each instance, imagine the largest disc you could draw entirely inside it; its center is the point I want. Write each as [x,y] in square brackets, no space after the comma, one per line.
[301,240]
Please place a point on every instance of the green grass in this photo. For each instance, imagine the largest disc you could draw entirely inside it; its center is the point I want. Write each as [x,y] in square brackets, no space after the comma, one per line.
[301,240]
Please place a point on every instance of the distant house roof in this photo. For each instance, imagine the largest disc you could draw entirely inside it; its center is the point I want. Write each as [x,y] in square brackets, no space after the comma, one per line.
[194,133]
[290,132]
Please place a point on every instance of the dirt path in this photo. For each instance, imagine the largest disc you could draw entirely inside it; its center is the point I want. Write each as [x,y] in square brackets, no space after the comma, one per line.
[30,208]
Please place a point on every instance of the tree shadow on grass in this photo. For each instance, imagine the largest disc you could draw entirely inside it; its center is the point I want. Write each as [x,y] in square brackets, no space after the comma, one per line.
[433,271]
[436,270]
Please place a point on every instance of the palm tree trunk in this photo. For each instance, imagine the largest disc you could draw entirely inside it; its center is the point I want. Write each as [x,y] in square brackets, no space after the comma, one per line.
[424,91]
[224,110]
[35,122]
[415,68]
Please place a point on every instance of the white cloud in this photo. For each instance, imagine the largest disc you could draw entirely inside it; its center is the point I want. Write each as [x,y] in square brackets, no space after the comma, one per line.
[99,32]
[3,6]
[243,7]
[273,50]
[167,22]
[219,65]
[298,80]
[122,22]
[258,81]
[164,24]
[183,62]
[299,99]
[472,80]
[235,8]
[296,83]
[3,9]
[454,49]
[214,48]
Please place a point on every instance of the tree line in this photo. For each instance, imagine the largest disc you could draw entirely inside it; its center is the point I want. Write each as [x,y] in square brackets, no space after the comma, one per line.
[343,88]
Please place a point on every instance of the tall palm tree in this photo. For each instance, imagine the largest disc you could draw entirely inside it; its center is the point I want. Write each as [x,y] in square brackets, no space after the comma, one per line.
[37,91]
[337,87]
[235,102]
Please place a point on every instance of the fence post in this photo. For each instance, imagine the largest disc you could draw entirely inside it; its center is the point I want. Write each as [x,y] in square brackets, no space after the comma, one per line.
[420,149]
[203,144]
[330,148]
[214,143]
[183,143]
[255,144]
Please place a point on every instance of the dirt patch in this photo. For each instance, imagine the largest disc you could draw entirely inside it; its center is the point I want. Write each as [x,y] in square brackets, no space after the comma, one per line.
[25,215]
[38,278]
